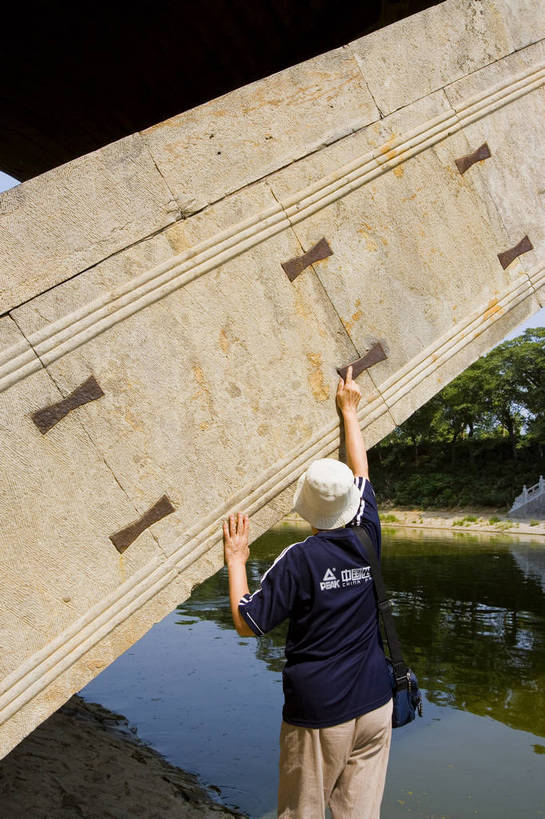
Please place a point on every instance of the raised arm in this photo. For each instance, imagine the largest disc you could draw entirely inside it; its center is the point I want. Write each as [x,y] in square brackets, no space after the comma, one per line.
[348,398]
[235,542]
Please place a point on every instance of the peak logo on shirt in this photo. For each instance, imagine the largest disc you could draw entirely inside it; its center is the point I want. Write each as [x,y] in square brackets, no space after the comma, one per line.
[349,577]
[329,580]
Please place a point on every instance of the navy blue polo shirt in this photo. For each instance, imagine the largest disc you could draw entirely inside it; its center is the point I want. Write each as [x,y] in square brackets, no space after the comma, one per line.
[335,665]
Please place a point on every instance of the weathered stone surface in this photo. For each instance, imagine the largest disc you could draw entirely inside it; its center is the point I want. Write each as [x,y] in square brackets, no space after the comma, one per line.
[520,67]
[219,373]
[179,375]
[236,139]
[240,342]
[424,52]
[58,503]
[524,19]
[512,179]
[62,222]
[414,249]
[488,328]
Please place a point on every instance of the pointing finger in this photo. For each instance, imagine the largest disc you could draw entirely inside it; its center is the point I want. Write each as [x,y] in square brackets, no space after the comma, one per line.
[349,373]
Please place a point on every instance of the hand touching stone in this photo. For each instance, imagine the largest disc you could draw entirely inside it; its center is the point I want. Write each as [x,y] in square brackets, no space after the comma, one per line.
[348,393]
[235,538]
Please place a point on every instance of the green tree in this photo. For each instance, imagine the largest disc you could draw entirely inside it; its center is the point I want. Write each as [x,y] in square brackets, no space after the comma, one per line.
[513,382]
[528,354]
[493,412]
[462,408]
[418,427]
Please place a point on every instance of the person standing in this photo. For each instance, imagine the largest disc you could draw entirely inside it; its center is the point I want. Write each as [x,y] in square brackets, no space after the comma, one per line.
[337,715]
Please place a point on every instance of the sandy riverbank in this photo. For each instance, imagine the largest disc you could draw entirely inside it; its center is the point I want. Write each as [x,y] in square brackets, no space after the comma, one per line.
[460,520]
[463,520]
[86,761]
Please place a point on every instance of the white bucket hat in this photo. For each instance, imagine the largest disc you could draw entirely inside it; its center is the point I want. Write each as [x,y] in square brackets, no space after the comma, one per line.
[326,495]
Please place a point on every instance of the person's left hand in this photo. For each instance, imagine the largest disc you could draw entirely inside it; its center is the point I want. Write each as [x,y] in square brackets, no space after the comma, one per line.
[235,538]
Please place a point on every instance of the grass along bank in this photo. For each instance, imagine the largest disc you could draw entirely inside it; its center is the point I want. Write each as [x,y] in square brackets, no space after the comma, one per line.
[461,520]
[468,520]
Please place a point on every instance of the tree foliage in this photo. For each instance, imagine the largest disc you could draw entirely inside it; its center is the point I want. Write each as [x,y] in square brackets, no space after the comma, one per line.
[503,393]
[496,404]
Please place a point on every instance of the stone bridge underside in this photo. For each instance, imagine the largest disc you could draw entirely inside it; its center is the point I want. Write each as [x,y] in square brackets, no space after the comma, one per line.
[160,362]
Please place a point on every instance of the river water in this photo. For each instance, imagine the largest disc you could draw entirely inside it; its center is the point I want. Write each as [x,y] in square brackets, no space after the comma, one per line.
[471,618]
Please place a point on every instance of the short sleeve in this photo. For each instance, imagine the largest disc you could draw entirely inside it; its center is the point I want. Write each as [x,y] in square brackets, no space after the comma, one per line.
[367,514]
[272,602]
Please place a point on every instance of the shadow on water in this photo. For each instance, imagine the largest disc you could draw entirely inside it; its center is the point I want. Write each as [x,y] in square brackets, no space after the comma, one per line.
[470,612]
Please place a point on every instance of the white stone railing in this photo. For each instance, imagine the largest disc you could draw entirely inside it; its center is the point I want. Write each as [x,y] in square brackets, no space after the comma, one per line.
[529,493]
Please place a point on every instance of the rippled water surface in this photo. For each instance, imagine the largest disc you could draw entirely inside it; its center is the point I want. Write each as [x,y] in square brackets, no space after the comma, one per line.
[471,618]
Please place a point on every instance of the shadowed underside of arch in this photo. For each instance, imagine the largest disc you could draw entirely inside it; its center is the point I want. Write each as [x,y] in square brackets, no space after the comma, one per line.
[175,307]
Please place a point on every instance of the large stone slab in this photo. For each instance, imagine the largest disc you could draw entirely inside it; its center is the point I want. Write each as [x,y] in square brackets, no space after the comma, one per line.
[239,361]
[59,501]
[424,52]
[227,143]
[513,176]
[218,371]
[62,222]
[122,632]
[415,248]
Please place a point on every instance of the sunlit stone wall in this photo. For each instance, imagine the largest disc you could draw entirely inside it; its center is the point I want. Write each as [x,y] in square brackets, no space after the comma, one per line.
[163,360]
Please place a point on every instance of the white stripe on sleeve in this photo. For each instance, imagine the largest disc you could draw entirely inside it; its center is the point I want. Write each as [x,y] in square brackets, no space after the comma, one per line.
[249,616]
[360,483]
[280,556]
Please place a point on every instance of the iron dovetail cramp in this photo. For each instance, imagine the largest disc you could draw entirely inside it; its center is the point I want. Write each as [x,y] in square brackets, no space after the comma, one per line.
[48,416]
[126,536]
[465,162]
[375,354]
[509,256]
[320,250]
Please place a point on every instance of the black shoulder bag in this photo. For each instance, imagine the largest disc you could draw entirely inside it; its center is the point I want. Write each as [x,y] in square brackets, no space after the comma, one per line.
[405,691]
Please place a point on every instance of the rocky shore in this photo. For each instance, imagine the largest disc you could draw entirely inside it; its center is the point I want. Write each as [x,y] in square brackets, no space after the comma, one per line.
[85,761]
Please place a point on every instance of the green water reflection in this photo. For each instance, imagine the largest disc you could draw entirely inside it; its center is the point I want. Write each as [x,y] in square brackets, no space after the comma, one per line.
[470,617]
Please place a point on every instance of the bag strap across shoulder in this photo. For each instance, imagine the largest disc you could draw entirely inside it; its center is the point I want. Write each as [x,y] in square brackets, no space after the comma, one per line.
[384,607]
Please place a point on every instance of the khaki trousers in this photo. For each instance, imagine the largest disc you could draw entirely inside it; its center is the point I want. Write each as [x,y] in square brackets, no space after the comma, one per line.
[343,766]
